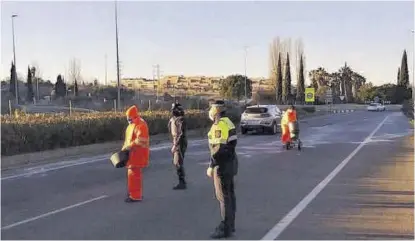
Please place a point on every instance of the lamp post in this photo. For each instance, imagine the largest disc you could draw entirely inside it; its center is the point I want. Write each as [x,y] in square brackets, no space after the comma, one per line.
[246,57]
[413,68]
[14,61]
[118,59]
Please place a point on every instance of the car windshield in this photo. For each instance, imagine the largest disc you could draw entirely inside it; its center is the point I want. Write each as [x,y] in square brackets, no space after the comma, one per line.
[373,104]
[256,110]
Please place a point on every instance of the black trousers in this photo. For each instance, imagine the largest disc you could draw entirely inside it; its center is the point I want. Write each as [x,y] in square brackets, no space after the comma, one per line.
[178,159]
[225,194]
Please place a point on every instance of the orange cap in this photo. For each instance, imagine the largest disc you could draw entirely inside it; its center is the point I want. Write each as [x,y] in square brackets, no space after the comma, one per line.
[132,112]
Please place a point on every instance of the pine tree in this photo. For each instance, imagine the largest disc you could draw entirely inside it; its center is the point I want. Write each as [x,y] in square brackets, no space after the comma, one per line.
[301,82]
[30,93]
[12,86]
[75,88]
[278,89]
[286,89]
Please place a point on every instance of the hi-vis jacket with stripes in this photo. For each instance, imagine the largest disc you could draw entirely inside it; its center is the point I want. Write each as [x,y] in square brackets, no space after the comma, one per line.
[222,142]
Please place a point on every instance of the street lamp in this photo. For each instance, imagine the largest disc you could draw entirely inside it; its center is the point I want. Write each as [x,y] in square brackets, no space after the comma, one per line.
[413,68]
[118,58]
[246,56]
[14,61]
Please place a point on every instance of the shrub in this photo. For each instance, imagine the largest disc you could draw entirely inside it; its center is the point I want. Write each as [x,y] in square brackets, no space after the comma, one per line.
[38,132]
[24,133]
[309,109]
[408,108]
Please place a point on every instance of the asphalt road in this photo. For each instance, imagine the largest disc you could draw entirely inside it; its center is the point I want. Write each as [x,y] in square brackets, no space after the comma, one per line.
[280,194]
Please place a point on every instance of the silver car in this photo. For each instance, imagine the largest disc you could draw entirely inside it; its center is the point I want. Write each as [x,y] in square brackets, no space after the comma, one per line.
[265,118]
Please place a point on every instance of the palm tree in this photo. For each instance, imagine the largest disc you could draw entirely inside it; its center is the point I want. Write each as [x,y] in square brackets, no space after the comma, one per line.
[346,82]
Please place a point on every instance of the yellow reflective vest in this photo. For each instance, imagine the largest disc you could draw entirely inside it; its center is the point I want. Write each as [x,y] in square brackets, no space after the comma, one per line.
[222,142]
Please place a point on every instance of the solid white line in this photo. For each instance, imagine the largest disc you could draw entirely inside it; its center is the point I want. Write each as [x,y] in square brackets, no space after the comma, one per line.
[53,212]
[283,224]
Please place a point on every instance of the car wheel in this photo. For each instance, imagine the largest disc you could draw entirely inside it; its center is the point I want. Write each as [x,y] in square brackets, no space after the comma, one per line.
[243,131]
[274,129]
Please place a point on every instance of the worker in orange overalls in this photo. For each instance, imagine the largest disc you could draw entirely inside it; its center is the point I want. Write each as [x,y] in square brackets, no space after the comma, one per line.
[137,141]
[290,115]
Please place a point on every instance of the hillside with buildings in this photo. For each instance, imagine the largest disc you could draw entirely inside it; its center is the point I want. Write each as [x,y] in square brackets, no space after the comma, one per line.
[195,85]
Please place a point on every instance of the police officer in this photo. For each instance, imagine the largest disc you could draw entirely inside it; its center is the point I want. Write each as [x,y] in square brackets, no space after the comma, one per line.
[223,167]
[177,128]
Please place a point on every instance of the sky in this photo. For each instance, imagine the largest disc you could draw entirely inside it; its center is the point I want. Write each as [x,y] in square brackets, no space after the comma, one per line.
[204,38]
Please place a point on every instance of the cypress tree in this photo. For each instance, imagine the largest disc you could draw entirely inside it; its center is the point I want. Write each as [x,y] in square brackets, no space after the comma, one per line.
[278,89]
[75,88]
[30,93]
[301,82]
[398,77]
[12,86]
[404,72]
[286,89]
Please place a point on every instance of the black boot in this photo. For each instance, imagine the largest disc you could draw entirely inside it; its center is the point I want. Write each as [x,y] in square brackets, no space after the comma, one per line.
[221,232]
[181,186]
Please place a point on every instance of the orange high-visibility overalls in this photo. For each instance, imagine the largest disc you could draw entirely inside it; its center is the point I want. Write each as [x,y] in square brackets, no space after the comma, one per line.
[137,138]
[289,116]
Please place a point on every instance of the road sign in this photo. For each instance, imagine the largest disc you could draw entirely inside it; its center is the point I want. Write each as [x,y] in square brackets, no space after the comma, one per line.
[329,96]
[341,97]
[309,95]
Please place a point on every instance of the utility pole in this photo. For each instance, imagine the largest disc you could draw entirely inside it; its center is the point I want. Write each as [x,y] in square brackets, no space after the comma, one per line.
[16,86]
[106,72]
[118,58]
[246,91]
[413,70]
[158,79]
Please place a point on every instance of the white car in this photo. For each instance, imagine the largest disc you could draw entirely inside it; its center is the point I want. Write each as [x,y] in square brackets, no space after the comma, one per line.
[376,107]
[265,118]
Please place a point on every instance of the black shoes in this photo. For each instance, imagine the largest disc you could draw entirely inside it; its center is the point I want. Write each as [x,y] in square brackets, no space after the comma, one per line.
[222,232]
[181,186]
[130,200]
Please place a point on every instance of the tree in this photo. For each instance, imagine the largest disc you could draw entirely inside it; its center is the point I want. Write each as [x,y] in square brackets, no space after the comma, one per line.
[404,72]
[74,70]
[366,92]
[13,79]
[399,75]
[75,89]
[346,82]
[30,93]
[278,90]
[402,90]
[60,87]
[301,82]
[233,87]
[286,88]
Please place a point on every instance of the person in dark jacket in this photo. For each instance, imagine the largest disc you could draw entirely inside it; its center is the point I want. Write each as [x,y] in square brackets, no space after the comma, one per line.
[223,167]
[177,129]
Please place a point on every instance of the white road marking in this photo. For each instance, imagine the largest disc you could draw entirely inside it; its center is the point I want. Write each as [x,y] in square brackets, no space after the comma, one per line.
[283,223]
[42,169]
[52,212]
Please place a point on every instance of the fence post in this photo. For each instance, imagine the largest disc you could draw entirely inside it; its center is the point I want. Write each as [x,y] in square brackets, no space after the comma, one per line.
[70,107]
[10,108]
[149,104]
[115,105]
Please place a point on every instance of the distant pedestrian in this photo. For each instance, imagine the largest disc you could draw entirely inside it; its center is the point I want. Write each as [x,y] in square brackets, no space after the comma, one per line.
[177,129]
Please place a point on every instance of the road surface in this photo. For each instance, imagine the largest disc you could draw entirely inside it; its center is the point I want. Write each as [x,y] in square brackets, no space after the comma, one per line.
[312,194]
